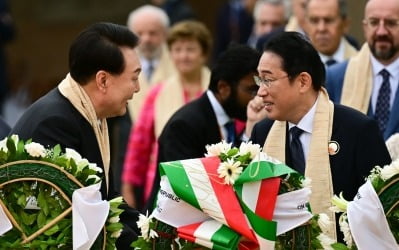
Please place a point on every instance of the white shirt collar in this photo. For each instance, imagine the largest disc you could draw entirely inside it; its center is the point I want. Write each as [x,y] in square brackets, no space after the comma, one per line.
[221,116]
[339,54]
[392,68]
[306,123]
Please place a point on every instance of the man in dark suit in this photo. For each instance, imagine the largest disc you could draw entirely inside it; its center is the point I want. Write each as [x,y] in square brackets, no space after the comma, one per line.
[202,122]
[336,146]
[104,69]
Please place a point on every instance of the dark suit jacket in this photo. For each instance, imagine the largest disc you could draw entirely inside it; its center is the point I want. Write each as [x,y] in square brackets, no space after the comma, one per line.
[53,120]
[335,75]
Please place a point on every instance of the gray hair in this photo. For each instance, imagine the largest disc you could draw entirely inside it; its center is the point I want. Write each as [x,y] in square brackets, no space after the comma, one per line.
[149,9]
[342,8]
[285,3]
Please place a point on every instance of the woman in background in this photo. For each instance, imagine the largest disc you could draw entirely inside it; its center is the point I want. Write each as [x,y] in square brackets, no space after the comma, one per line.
[189,44]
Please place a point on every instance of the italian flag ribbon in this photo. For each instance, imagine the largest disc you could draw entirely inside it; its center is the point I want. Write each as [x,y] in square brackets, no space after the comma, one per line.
[205,210]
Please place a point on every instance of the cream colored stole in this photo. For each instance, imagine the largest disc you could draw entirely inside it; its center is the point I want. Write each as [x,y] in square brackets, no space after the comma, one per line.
[292,24]
[171,98]
[358,81]
[349,50]
[164,70]
[81,101]
[318,161]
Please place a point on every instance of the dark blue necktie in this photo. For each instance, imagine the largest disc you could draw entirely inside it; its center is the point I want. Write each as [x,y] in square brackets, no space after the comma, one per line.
[231,134]
[150,69]
[382,109]
[297,155]
[330,62]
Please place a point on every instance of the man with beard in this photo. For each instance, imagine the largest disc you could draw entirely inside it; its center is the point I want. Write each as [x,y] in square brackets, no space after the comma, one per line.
[369,81]
[208,119]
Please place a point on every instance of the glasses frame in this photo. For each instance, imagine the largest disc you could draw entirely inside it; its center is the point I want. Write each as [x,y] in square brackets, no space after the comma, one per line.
[267,82]
[387,23]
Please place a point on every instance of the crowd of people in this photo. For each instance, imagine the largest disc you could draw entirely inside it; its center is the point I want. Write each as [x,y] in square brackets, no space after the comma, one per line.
[284,74]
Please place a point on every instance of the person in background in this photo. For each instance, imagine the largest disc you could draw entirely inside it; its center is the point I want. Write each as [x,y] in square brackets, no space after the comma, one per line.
[104,70]
[326,24]
[268,15]
[151,24]
[189,44]
[333,145]
[369,81]
[216,115]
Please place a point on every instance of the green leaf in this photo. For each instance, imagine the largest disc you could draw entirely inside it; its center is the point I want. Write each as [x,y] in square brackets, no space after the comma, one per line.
[28,219]
[57,151]
[52,230]
[22,200]
[42,202]
[41,219]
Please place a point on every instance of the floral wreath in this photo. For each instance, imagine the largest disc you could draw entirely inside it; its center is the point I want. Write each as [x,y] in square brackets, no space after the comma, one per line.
[234,165]
[376,204]
[36,186]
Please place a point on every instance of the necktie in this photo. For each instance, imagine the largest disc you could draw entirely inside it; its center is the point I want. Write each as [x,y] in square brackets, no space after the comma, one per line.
[231,134]
[382,109]
[150,69]
[330,62]
[297,155]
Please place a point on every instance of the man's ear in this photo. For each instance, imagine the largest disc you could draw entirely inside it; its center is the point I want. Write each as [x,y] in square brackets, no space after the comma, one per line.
[224,90]
[305,81]
[101,80]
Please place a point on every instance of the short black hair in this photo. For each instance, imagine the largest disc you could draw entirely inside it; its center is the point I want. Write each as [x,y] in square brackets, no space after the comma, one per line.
[298,55]
[234,64]
[98,48]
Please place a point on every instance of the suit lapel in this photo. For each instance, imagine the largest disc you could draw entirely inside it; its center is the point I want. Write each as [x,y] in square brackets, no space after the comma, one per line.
[393,121]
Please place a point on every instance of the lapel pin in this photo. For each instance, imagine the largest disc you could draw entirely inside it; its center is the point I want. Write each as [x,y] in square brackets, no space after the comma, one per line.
[333,148]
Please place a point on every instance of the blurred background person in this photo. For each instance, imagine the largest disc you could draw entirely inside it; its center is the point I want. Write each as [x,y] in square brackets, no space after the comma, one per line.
[189,44]
[234,23]
[369,81]
[268,15]
[326,25]
[215,115]
[151,25]
[177,10]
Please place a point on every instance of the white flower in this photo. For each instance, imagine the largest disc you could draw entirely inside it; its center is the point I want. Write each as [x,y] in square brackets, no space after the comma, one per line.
[344,227]
[389,171]
[144,224]
[94,167]
[324,222]
[306,183]
[339,203]
[35,149]
[3,145]
[393,146]
[15,138]
[253,149]
[153,234]
[325,241]
[72,154]
[230,171]
[217,149]
[113,219]
[95,177]
[116,234]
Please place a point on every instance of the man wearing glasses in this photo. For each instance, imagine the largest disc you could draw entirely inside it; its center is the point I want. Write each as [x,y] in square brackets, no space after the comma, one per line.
[369,81]
[333,145]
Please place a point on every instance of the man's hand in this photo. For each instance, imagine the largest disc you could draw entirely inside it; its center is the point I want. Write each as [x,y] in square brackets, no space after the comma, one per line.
[255,113]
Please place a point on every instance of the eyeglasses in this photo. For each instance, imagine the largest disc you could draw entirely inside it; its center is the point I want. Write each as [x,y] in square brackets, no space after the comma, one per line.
[266,82]
[374,23]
